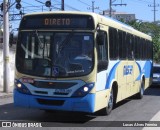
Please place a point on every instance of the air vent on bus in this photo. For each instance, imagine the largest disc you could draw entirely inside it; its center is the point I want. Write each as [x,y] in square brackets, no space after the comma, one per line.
[53,85]
[41,92]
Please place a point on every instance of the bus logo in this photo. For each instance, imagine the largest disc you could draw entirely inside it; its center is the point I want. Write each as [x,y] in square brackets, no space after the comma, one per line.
[127,70]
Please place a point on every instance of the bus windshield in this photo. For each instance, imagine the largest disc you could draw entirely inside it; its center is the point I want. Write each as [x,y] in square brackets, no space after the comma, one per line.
[55,54]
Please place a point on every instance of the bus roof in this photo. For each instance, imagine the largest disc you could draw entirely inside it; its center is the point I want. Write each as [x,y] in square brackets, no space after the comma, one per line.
[122,26]
[99,19]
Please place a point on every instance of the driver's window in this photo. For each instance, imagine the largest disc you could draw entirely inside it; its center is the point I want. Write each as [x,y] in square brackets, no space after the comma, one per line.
[102,47]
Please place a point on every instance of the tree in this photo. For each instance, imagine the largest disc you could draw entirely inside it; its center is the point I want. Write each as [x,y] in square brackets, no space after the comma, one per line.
[152,29]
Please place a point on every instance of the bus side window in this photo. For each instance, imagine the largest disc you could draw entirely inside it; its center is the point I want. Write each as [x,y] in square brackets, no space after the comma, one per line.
[130,42]
[122,45]
[113,44]
[102,50]
[136,48]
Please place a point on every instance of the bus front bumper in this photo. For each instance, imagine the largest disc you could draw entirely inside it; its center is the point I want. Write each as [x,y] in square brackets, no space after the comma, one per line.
[79,104]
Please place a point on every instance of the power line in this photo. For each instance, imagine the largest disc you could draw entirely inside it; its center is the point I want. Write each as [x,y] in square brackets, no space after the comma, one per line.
[67,6]
[111,4]
[90,6]
[143,1]
[93,7]
[120,4]
[140,2]
[154,9]
[28,3]
[85,3]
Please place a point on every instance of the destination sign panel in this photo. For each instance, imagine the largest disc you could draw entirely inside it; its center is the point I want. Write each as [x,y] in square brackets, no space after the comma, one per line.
[57,21]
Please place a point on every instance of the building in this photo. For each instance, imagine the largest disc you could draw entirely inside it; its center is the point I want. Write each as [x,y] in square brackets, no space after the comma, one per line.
[121,16]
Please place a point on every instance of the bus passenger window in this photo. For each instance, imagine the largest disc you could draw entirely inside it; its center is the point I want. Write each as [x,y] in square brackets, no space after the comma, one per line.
[122,45]
[113,43]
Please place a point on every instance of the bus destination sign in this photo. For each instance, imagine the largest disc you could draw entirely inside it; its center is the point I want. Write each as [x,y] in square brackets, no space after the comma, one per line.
[57,22]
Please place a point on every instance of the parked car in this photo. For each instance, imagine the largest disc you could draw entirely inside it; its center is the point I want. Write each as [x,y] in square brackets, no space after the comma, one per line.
[156,74]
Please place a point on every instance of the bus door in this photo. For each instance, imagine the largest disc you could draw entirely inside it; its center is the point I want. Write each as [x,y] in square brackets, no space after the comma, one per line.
[122,77]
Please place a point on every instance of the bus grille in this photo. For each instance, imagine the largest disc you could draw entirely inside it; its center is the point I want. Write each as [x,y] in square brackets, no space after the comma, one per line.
[50,102]
[53,85]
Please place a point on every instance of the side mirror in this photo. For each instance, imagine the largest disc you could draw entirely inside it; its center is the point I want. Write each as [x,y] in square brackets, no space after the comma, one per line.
[102,65]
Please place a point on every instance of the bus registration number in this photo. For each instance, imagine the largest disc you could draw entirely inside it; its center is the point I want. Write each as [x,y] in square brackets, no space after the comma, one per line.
[62,91]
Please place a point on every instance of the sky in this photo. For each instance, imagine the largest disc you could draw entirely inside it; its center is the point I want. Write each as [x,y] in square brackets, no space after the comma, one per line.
[141,8]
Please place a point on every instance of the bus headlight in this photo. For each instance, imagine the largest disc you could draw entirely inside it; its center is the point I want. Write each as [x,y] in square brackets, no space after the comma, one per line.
[21,87]
[84,90]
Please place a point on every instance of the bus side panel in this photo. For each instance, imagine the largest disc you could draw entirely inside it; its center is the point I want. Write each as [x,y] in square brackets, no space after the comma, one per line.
[127,72]
[101,99]
[121,80]
[103,85]
[146,71]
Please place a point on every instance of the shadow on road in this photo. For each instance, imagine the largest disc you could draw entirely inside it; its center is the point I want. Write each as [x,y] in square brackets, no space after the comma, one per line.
[12,113]
[153,91]
[67,117]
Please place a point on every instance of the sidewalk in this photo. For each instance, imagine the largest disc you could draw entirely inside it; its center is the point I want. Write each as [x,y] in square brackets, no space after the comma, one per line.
[5,95]
[11,82]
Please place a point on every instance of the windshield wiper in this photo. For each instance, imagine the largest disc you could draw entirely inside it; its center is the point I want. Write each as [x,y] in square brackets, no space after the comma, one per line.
[64,43]
[39,40]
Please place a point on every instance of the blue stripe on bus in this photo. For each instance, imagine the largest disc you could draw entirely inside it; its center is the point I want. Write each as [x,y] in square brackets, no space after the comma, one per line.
[147,67]
[139,67]
[111,75]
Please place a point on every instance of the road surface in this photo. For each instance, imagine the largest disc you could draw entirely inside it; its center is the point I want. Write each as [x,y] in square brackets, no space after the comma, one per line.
[146,109]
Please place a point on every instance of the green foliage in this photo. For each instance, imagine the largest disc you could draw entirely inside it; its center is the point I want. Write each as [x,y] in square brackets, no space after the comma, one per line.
[152,29]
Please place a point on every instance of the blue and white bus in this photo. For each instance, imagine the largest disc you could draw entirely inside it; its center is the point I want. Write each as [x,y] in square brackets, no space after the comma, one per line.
[78,61]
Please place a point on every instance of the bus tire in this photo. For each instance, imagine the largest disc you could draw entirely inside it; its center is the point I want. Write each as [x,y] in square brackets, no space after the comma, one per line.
[110,103]
[141,91]
[107,110]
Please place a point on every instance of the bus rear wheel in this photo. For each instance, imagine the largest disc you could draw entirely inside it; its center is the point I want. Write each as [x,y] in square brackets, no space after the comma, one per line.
[141,91]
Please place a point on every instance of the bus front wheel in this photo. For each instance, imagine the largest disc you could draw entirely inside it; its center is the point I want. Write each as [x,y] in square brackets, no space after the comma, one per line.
[107,110]
[110,103]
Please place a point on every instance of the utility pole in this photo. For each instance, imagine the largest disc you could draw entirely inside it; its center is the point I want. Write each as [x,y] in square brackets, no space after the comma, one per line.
[62,5]
[6,65]
[93,8]
[154,9]
[110,6]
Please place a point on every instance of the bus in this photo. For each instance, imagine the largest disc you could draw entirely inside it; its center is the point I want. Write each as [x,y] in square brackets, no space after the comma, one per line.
[79,61]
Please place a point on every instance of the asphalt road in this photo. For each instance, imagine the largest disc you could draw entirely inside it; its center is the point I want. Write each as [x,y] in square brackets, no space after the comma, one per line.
[132,110]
